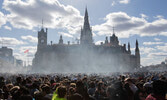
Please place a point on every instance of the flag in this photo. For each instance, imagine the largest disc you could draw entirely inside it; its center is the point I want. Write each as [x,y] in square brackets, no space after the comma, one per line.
[26,51]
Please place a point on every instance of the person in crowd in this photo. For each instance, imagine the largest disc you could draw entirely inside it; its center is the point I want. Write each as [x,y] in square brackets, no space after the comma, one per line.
[76,96]
[159,90]
[24,94]
[129,91]
[140,95]
[115,86]
[132,86]
[92,88]
[60,93]
[18,81]
[100,92]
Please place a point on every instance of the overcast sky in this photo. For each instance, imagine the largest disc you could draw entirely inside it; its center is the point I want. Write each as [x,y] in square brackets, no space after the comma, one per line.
[145,20]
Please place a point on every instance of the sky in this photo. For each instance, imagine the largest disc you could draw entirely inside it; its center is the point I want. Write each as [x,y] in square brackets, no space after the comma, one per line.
[144,20]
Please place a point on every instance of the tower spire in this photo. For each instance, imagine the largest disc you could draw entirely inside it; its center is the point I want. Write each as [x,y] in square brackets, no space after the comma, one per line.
[137,44]
[137,47]
[86,19]
[113,29]
[86,11]
[42,23]
[129,48]
[86,32]
[137,54]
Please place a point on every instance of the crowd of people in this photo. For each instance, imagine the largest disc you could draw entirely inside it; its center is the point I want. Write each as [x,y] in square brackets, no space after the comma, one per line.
[115,86]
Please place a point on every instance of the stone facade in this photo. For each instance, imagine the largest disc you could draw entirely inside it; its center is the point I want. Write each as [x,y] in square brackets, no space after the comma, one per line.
[84,56]
[7,59]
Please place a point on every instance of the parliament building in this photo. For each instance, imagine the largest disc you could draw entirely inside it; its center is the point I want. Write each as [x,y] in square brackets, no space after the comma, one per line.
[84,56]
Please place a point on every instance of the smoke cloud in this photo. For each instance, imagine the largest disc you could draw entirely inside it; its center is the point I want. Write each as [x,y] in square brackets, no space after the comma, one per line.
[81,59]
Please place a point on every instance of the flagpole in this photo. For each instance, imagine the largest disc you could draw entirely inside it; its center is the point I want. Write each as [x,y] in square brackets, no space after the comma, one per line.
[27,62]
[28,58]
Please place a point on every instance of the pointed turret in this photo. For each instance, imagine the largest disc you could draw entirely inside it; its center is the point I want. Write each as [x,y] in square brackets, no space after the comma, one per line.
[137,46]
[113,31]
[124,46]
[86,32]
[129,48]
[114,39]
[61,40]
[86,20]
[106,41]
[42,23]
[42,28]
[137,54]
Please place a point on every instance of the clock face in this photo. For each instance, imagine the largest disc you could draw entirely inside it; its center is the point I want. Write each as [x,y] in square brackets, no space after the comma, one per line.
[42,41]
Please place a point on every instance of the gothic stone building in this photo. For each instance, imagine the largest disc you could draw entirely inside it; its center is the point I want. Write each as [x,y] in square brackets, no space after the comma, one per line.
[84,56]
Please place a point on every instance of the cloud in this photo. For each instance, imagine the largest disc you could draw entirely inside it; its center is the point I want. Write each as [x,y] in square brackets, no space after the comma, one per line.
[146,50]
[7,27]
[124,1]
[11,41]
[144,16]
[113,3]
[152,55]
[157,39]
[2,19]
[162,48]
[152,43]
[156,54]
[30,38]
[159,17]
[126,25]
[65,34]
[98,42]
[163,33]
[146,61]
[154,28]
[29,14]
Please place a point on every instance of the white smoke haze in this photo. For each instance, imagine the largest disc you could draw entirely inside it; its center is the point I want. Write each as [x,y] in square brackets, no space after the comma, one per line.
[71,59]
[12,69]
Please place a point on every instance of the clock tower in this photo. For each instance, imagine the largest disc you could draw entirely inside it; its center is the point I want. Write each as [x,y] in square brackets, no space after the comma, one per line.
[42,38]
